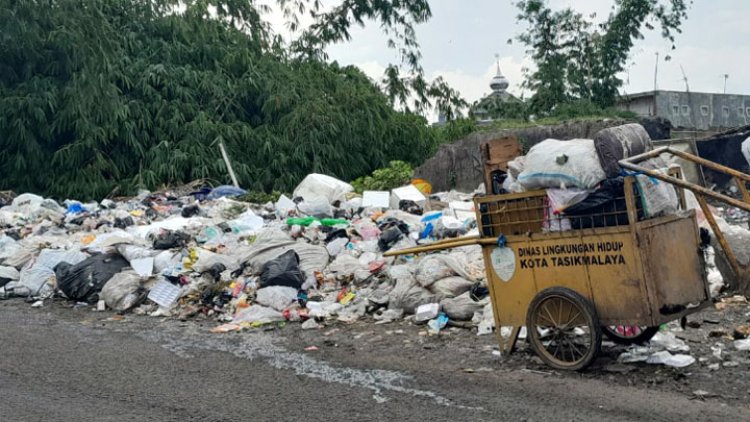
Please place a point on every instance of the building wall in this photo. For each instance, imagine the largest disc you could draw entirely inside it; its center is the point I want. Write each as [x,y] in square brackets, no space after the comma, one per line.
[642,106]
[693,110]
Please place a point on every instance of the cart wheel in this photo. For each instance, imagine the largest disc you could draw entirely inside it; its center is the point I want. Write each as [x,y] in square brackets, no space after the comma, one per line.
[629,334]
[563,329]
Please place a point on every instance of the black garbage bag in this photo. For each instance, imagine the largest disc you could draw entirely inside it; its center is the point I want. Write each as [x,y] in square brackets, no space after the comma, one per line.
[170,240]
[393,222]
[122,223]
[216,270]
[410,206]
[84,281]
[336,234]
[605,207]
[389,237]
[282,271]
[608,191]
[190,211]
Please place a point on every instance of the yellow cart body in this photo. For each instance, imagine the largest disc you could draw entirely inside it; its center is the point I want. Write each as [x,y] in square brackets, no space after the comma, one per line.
[646,273]
[642,273]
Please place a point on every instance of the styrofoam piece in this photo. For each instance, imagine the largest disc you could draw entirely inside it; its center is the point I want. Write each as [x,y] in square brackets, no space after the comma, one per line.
[408,192]
[165,294]
[427,312]
[376,198]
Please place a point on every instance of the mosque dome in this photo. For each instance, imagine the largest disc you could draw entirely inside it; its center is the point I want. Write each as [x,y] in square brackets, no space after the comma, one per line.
[499,83]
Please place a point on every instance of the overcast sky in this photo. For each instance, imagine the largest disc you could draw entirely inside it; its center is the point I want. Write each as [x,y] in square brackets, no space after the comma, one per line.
[463,36]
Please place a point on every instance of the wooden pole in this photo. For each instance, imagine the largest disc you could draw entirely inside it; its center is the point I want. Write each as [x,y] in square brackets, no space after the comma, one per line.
[441,245]
[228,163]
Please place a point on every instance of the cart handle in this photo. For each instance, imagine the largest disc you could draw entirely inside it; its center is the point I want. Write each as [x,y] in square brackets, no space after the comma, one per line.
[700,194]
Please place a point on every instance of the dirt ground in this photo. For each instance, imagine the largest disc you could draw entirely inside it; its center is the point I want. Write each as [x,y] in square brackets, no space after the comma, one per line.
[362,371]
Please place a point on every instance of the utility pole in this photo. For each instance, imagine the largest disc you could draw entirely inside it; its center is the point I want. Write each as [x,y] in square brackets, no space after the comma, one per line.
[684,78]
[726,76]
[656,71]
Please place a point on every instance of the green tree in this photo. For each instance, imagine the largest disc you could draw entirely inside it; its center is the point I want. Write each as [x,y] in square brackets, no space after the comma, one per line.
[578,60]
[105,95]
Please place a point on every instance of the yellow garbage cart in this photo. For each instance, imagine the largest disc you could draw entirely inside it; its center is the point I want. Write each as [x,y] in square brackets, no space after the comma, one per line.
[571,279]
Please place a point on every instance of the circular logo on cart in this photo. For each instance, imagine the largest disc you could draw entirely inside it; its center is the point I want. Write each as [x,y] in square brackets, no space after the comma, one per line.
[503,263]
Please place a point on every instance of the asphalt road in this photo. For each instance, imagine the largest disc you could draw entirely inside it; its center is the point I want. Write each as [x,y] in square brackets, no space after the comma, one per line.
[75,365]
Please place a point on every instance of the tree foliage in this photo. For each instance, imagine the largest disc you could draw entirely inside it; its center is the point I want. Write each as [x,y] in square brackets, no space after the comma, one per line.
[397,174]
[576,59]
[103,95]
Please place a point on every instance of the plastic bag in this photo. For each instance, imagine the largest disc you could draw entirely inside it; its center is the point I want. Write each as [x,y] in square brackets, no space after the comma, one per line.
[450,287]
[336,246]
[316,206]
[8,248]
[166,260]
[131,252]
[604,207]
[408,295]
[435,267]
[516,166]
[669,342]
[745,148]
[276,297]
[559,199]
[658,197]
[510,184]
[258,314]
[272,243]
[666,358]
[123,291]
[226,190]
[487,321]
[345,265]
[322,186]
[448,226]
[85,280]
[562,164]
[283,271]
[284,206]
[400,272]
[461,308]
[21,257]
[37,280]
[554,222]
[207,259]
[246,224]
[8,274]
[49,258]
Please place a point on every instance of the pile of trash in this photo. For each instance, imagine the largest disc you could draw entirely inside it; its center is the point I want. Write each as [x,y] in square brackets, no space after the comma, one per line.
[584,182]
[313,257]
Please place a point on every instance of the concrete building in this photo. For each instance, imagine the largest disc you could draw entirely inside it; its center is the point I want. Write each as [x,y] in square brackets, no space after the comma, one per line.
[691,110]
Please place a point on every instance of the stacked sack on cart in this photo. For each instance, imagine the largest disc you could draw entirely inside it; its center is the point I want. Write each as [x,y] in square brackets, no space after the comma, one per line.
[584,183]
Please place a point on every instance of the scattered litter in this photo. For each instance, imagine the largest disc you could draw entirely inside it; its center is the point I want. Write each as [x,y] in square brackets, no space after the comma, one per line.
[164,294]
[742,344]
[666,358]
